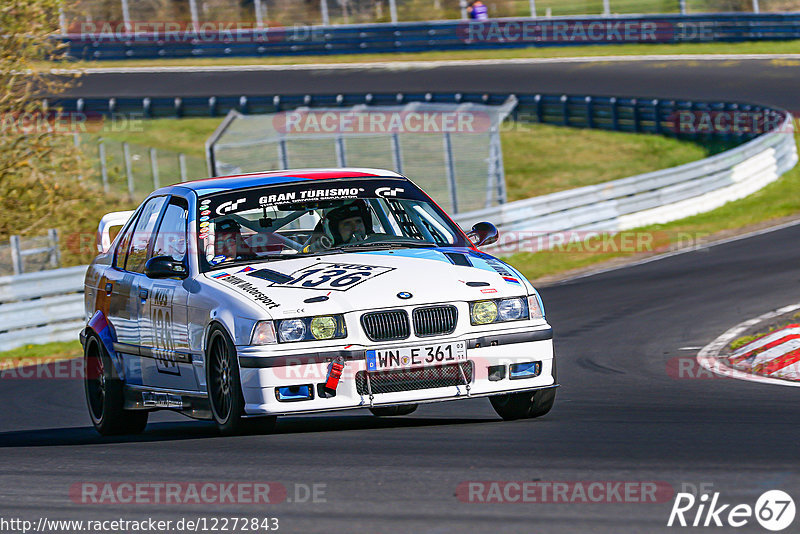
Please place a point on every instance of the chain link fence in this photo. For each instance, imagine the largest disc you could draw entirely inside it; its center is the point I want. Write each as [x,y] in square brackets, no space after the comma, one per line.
[83,15]
[137,170]
[452,150]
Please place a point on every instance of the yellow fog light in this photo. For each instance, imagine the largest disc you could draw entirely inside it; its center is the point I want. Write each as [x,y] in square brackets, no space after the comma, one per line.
[484,312]
[323,327]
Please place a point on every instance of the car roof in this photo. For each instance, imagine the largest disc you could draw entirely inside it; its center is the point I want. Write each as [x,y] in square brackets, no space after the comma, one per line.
[241,181]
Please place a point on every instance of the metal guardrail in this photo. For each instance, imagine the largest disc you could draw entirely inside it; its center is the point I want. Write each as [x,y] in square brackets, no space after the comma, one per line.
[41,307]
[651,198]
[438,35]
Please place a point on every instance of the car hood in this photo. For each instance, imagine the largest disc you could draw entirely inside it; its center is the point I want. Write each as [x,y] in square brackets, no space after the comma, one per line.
[356,281]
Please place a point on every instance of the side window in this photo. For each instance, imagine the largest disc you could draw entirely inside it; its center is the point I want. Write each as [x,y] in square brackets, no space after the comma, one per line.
[142,234]
[121,252]
[171,237]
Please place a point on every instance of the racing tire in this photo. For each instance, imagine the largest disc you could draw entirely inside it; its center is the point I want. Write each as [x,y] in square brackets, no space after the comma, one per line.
[526,404]
[225,389]
[391,411]
[104,394]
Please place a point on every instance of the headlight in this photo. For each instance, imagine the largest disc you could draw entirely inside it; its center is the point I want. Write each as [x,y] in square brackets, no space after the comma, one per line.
[498,310]
[311,328]
[535,307]
[292,330]
[510,310]
[484,312]
[264,333]
[323,327]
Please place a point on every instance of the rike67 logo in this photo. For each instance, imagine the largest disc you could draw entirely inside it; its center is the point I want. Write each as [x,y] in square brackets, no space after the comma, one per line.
[774,510]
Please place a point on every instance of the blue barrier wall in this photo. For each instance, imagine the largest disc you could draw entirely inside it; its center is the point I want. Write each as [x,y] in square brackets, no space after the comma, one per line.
[679,118]
[437,35]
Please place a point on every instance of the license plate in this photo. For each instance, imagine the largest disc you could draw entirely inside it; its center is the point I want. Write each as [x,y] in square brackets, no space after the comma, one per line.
[420,356]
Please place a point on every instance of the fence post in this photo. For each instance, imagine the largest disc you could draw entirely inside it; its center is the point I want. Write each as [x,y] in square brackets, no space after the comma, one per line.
[533,8]
[614,113]
[462,4]
[565,110]
[393,11]
[182,165]
[589,112]
[606,7]
[195,17]
[283,154]
[154,168]
[16,254]
[755,6]
[341,154]
[126,151]
[397,156]
[636,119]
[451,172]
[76,141]
[55,252]
[682,4]
[259,19]
[326,21]
[103,165]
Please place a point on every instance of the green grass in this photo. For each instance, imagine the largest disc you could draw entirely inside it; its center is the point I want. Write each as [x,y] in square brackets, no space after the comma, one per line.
[176,135]
[61,350]
[541,159]
[773,47]
[778,199]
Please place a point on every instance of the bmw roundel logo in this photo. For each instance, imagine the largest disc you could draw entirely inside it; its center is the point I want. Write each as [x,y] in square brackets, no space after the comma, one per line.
[404,295]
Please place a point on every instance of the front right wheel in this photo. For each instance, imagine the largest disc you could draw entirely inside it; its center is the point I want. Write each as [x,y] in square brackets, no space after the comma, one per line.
[225,389]
[525,404]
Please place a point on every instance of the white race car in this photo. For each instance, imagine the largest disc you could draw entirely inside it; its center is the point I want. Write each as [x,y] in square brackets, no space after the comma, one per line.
[242,298]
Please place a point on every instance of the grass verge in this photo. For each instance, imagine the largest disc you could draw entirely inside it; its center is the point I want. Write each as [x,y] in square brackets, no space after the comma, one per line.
[777,200]
[771,47]
[744,340]
[48,352]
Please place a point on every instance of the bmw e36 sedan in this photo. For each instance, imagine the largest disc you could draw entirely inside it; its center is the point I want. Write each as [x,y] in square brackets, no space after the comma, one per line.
[242,298]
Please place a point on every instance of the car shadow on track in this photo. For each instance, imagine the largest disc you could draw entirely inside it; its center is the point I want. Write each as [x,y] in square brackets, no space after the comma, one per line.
[179,431]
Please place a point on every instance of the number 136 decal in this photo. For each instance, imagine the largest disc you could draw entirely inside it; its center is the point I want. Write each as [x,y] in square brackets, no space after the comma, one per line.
[334,276]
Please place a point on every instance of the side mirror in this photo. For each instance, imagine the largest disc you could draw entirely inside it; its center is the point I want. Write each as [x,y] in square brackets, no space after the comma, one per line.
[165,267]
[483,233]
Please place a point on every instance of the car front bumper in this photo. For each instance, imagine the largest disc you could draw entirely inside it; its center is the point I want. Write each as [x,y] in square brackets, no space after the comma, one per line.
[488,357]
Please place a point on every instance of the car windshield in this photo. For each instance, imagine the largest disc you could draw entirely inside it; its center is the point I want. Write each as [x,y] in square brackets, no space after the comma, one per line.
[286,220]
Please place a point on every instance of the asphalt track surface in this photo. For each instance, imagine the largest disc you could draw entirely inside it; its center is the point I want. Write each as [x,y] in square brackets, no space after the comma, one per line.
[620,415]
[773,81]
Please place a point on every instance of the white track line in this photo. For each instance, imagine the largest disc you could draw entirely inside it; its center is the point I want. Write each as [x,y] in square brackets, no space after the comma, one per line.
[411,65]
[708,357]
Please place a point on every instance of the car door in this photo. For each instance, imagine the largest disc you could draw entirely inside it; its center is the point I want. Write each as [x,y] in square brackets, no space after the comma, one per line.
[163,318]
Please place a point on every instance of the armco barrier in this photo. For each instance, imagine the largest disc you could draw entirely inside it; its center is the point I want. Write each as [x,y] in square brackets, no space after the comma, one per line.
[434,35]
[41,307]
[651,198]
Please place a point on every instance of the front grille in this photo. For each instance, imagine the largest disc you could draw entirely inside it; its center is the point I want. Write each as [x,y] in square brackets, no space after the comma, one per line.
[435,320]
[386,325]
[413,379]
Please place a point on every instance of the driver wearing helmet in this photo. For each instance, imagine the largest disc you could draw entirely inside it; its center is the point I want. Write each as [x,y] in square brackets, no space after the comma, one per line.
[347,224]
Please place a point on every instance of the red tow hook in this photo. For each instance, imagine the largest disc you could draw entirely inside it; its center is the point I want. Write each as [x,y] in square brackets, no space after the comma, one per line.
[334,374]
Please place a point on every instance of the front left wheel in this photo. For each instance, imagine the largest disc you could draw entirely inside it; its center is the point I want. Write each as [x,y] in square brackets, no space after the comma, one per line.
[104,394]
[225,389]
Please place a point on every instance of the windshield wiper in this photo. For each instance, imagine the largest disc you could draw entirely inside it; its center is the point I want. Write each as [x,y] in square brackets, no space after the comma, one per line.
[390,244]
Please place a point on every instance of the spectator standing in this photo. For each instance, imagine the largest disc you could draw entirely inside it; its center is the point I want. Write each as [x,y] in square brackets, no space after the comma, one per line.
[477,10]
